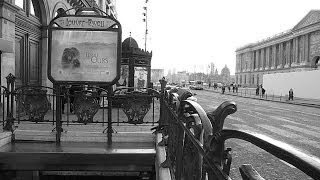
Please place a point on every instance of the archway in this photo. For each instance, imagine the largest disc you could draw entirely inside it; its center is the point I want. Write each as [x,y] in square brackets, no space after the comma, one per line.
[315,62]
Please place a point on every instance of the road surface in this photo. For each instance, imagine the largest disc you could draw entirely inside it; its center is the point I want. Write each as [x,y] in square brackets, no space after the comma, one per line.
[296,125]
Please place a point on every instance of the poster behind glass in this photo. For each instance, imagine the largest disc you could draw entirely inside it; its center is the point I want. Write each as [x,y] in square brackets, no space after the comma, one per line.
[124,74]
[84,55]
[140,78]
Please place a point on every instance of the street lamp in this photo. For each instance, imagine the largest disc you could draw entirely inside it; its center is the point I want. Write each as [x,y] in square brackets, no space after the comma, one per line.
[145,19]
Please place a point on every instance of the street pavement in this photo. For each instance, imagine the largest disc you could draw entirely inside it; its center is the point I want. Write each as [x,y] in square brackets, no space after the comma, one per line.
[296,125]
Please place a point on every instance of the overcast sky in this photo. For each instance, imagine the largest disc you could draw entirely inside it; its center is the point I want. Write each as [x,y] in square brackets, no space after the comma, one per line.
[188,35]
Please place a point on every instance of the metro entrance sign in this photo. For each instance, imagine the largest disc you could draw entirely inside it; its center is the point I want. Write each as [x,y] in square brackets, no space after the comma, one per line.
[84,49]
[84,22]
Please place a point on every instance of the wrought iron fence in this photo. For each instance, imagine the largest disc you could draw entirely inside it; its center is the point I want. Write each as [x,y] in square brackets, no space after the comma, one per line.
[74,107]
[195,142]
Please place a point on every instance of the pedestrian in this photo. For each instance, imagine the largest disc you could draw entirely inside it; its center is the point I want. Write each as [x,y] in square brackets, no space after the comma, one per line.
[291,94]
[233,88]
[236,88]
[263,91]
[257,90]
[260,90]
[229,88]
[223,89]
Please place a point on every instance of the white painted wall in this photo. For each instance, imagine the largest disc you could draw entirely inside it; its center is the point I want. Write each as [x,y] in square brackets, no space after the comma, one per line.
[305,84]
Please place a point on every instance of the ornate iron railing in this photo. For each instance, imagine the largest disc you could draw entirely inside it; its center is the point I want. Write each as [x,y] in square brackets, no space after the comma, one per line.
[195,142]
[59,108]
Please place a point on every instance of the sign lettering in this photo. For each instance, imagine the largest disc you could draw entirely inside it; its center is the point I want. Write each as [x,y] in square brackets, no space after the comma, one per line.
[84,22]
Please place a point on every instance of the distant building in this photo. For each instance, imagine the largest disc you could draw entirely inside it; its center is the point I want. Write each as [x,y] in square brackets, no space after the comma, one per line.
[182,77]
[295,50]
[225,75]
[156,75]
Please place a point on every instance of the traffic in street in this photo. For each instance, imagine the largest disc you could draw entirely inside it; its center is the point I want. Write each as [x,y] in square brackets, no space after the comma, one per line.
[295,125]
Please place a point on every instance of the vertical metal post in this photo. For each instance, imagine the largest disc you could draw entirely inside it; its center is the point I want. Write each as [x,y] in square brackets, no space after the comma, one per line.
[10,88]
[54,99]
[146,21]
[3,110]
[68,105]
[8,97]
[103,96]
[163,83]
[152,111]
[109,131]
[58,113]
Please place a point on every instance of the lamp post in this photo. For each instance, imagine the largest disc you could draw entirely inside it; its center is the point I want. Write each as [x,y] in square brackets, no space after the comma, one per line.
[145,19]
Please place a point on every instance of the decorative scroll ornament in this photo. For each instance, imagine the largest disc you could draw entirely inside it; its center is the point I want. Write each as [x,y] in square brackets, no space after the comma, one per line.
[86,105]
[35,103]
[136,108]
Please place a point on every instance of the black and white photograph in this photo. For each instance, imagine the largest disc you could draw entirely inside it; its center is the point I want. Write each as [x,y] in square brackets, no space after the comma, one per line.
[159,90]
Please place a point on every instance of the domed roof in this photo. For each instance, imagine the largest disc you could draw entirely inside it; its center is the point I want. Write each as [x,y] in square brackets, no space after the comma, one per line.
[130,43]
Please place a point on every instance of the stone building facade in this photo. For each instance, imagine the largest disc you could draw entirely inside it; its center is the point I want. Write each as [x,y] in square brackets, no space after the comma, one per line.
[24,36]
[295,50]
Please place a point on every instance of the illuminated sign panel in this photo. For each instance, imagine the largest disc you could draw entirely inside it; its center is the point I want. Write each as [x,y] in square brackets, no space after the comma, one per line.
[84,49]
[84,55]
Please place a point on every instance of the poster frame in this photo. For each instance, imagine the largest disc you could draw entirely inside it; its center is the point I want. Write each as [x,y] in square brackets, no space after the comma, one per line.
[115,26]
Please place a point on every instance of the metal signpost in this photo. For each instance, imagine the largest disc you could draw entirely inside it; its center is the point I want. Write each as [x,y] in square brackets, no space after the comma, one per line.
[84,49]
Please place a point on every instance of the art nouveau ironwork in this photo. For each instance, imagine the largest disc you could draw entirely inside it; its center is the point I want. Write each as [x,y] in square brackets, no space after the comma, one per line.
[86,105]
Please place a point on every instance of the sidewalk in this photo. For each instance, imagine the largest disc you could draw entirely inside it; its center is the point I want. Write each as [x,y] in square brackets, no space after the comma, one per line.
[250,93]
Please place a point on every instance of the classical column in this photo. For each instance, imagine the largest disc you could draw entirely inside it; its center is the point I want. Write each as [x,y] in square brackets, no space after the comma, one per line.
[257,60]
[306,49]
[290,53]
[295,52]
[267,58]
[274,56]
[280,56]
[240,63]
[251,61]
[301,49]
[287,53]
[262,59]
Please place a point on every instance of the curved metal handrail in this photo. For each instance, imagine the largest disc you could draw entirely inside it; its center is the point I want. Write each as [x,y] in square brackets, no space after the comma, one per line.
[306,163]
